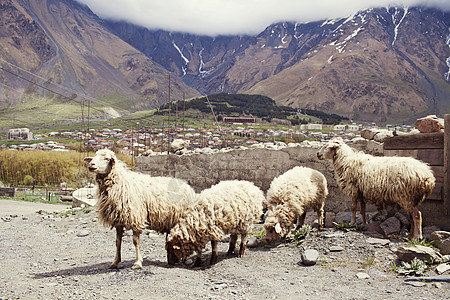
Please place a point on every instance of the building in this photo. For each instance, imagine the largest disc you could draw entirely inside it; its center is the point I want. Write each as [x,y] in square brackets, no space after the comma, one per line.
[239,120]
[311,127]
[19,134]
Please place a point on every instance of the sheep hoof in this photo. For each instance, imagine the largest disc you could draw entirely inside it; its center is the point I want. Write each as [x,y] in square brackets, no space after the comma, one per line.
[231,252]
[213,259]
[136,266]
[114,266]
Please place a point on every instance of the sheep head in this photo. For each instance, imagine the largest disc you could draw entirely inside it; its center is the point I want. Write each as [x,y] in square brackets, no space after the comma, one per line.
[178,249]
[274,229]
[328,151]
[102,162]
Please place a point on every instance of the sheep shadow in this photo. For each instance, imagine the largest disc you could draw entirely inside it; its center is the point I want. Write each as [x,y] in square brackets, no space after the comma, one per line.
[96,269]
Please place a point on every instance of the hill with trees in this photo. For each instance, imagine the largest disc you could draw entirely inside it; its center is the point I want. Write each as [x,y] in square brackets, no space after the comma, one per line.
[258,106]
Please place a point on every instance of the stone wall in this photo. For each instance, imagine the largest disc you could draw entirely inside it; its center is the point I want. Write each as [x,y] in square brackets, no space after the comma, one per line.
[7,192]
[257,165]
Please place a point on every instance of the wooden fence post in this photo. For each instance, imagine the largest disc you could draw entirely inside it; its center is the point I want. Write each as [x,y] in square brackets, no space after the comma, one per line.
[447,164]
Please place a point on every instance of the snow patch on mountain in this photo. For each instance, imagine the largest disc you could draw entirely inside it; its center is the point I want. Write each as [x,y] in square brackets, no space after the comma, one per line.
[340,47]
[182,56]
[397,24]
[201,66]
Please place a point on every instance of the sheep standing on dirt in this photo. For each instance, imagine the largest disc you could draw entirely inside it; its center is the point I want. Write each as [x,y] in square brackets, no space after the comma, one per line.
[229,207]
[131,200]
[382,181]
[290,196]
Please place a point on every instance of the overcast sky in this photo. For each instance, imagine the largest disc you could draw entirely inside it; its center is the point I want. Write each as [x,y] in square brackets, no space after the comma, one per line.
[222,17]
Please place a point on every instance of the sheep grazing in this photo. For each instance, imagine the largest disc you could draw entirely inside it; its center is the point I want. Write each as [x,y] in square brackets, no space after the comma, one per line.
[131,200]
[382,181]
[290,196]
[229,207]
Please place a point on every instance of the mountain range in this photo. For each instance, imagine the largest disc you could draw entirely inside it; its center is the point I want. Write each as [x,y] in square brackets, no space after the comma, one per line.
[387,64]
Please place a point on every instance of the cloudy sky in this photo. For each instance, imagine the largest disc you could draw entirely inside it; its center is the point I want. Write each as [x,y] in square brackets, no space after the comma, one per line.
[222,17]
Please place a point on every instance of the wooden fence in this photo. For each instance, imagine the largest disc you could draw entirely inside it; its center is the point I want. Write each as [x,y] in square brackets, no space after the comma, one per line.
[434,149]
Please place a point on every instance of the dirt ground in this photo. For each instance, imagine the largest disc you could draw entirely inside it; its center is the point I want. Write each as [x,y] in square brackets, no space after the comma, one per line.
[66,256]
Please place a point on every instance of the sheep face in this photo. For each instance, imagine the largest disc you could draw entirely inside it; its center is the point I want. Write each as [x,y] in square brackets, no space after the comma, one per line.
[178,249]
[328,151]
[102,162]
[274,230]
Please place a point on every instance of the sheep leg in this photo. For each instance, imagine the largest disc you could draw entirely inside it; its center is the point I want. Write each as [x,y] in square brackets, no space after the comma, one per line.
[300,220]
[243,242]
[363,211]
[320,217]
[232,248]
[354,204]
[138,262]
[416,227]
[198,260]
[118,258]
[213,253]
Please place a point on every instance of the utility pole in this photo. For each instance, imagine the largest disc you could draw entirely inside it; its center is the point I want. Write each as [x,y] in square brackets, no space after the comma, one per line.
[168,134]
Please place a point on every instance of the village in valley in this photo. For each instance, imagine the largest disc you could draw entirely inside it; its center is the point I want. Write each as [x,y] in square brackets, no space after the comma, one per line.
[215,136]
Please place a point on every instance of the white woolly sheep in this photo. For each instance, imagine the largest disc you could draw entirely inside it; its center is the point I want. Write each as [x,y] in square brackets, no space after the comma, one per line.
[382,181]
[229,207]
[131,200]
[290,196]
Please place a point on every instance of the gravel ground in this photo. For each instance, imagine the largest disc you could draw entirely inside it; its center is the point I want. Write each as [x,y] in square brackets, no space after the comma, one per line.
[66,256]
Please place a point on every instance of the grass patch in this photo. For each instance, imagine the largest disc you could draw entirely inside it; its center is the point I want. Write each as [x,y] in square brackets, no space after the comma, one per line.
[368,262]
[346,226]
[302,233]
[416,267]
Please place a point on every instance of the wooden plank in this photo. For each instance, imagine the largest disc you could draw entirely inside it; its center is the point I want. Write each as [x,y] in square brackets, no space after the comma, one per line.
[415,141]
[447,165]
[438,172]
[437,193]
[433,157]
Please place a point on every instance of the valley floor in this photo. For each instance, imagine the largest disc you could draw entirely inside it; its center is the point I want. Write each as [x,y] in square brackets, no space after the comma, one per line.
[66,256]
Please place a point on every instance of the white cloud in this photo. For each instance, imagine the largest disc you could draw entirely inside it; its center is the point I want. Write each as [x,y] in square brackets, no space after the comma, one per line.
[222,17]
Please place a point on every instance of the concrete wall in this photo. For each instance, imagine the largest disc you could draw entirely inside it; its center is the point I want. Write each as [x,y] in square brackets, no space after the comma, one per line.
[257,165]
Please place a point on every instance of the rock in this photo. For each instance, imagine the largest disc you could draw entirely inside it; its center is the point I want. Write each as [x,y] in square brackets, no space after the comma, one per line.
[445,247]
[83,233]
[252,242]
[402,218]
[362,275]
[429,124]
[329,219]
[373,227]
[437,237]
[391,225]
[382,135]
[428,230]
[336,249]
[375,241]
[442,268]
[346,217]
[408,253]
[416,284]
[439,278]
[178,144]
[368,133]
[309,257]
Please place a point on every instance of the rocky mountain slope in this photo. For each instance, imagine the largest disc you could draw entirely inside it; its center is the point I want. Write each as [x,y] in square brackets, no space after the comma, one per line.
[379,64]
[59,49]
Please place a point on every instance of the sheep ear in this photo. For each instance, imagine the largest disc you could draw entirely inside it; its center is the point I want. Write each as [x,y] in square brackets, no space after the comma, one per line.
[278,228]
[88,159]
